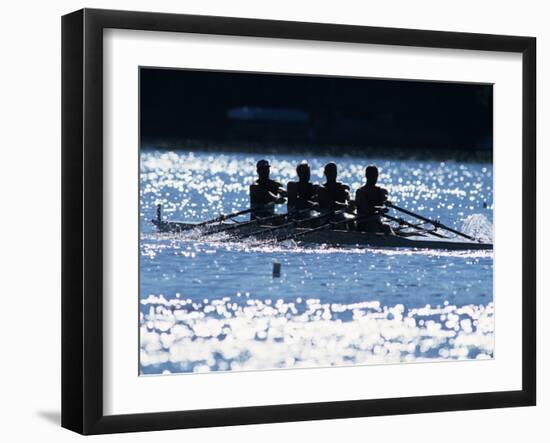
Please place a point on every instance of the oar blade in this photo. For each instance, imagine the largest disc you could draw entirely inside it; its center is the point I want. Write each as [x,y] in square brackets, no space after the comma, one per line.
[435,223]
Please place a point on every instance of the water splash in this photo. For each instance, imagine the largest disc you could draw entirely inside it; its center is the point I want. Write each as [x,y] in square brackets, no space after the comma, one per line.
[478,226]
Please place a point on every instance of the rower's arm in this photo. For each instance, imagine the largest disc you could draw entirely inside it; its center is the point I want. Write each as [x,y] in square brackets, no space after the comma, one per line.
[312,204]
[259,196]
[279,195]
[278,199]
[340,205]
[384,195]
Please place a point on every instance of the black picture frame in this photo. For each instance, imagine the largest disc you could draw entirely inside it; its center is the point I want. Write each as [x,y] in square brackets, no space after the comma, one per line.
[82,215]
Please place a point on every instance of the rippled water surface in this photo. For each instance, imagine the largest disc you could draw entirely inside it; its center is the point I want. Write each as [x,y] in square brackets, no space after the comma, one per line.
[208,304]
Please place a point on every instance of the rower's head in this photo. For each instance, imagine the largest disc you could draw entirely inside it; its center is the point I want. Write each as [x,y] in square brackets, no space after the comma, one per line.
[371,173]
[331,172]
[304,172]
[262,167]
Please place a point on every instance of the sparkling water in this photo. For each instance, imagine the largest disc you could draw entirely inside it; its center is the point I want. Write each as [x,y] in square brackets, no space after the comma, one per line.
[210,304]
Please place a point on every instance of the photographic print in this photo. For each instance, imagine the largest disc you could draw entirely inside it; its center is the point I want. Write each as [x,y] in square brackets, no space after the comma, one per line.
[298,221]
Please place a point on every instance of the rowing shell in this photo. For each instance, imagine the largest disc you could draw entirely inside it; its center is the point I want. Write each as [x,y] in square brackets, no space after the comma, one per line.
[340,237]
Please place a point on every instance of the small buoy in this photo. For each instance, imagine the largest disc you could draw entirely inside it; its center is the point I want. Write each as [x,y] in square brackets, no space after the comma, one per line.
[276,269]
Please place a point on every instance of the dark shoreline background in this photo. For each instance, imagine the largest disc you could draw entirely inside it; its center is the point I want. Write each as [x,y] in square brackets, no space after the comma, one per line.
[284,113]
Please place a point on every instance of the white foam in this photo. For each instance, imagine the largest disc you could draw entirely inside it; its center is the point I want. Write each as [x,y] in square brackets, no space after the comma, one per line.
[478,226]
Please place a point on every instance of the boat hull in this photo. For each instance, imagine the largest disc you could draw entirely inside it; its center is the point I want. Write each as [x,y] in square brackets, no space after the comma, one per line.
[333,237]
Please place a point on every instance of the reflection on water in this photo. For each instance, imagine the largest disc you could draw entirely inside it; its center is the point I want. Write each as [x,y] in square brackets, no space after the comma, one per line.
[222,334]
[214,305]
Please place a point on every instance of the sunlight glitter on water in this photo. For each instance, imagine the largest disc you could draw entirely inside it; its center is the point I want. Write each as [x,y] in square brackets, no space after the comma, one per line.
[216,335]
[197,186]
[212,303]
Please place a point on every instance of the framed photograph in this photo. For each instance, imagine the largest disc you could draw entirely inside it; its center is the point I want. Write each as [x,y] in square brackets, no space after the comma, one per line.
[269,221]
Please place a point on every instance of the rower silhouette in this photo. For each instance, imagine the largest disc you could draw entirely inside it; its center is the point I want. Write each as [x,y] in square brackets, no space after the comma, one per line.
[333,195]
[265,193]
[303,194]
[370,200]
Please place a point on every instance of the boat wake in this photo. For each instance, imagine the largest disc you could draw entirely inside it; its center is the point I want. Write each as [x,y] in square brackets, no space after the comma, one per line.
[223,241]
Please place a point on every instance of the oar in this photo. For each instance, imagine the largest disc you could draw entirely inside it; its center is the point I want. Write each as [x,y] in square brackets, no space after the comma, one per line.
[325,226]
[218,219]
[223,217]
[436,223]
[250,223]
[412,225]
[288,225]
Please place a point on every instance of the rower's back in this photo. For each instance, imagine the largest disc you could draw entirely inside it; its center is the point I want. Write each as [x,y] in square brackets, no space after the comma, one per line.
[301,195]
[369,200]
[332,195]
[262,192]
[265,193]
